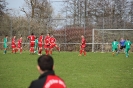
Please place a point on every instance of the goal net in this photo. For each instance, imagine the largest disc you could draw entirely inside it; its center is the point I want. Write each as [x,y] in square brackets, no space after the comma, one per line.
[102,38]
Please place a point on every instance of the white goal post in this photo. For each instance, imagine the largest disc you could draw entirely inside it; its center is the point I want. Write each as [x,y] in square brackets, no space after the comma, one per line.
[99,36]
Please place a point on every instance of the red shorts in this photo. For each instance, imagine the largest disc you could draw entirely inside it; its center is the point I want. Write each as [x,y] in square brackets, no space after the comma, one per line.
[82,46]
[52,45]
[46,46]
[19,46]
[32,44]
[39,45]
[14,46]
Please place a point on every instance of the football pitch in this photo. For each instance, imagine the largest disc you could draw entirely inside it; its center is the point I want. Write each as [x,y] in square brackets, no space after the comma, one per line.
[96,70]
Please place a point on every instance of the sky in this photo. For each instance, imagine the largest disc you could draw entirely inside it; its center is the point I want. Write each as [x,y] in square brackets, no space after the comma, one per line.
[17,4]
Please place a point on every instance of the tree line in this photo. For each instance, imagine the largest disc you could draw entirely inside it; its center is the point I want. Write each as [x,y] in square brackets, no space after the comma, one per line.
[79,14]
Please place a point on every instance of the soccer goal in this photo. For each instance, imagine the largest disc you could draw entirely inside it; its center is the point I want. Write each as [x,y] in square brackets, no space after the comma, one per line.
[102,38]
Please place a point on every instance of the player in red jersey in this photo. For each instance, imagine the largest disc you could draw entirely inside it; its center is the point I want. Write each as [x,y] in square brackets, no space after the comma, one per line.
[32,42]
[82,46]
[20,45]
[47,43]
[13,44]
[40,44]
[53,44]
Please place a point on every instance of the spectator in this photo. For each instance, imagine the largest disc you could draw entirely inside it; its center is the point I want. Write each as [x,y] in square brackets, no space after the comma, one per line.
[47,79]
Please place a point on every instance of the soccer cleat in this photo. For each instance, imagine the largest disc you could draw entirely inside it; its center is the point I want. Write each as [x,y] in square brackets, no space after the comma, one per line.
[116,53]
[59,50]
[112,54]
[5,51]
[79,55]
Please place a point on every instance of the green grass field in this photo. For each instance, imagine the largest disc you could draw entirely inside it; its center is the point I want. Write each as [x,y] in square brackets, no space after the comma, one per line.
[96,70]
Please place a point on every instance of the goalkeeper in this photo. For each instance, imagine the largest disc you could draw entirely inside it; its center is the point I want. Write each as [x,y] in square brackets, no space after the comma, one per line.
[122,44]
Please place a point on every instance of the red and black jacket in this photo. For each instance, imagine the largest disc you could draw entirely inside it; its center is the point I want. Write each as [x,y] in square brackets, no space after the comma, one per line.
[48,80]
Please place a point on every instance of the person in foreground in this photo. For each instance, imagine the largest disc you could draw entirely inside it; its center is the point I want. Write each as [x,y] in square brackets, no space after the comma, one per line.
[47,79]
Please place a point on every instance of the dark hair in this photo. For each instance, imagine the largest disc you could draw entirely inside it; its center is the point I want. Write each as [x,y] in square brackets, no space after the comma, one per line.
[41,33]
[49,33]
[114,39]
[14,35]
[45,62]
[32,33]
[6,35]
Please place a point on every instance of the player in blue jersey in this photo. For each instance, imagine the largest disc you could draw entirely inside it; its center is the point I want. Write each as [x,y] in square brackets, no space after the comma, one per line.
[122,44]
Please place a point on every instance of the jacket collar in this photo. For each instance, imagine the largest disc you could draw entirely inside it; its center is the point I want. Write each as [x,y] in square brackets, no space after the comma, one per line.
[46,74]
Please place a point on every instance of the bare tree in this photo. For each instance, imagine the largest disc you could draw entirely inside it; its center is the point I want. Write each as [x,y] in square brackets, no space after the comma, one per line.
[39,12]
[3,4]
[4,18]
[99,13]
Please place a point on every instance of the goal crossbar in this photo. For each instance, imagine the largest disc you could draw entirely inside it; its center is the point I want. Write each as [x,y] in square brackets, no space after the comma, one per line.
[115,29]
